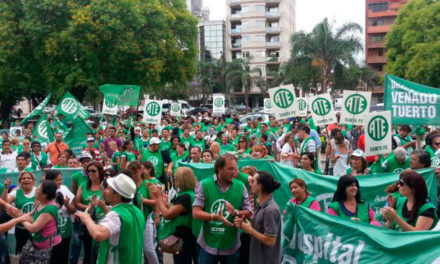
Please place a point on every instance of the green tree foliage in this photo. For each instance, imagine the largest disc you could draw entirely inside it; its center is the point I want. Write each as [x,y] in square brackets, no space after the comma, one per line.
[240,77]
[211,76]
[316,56]
[413,45]
[78,45]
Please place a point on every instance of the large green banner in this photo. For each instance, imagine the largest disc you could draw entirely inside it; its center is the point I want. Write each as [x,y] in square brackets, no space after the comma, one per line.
[121,94]
[322,187]
[411,103]
[314,237]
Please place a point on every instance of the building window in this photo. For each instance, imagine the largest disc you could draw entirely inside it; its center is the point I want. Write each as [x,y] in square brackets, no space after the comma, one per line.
[245,24]
[377,38]
[260,38]
[246,39]
[259,24]
[378,7]
[376,22]
[380,52]
[260,8]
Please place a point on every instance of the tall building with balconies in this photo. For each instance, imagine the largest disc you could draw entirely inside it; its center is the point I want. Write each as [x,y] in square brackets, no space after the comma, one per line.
[380,16]
[259,30]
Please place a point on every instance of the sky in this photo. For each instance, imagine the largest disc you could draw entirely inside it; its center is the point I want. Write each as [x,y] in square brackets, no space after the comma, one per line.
[309,12]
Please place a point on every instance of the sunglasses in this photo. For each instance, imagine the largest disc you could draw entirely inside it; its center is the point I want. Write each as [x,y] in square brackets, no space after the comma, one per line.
[92,171]
[108,175]
[241,141]
[401,183]
[36,146]
[437,143]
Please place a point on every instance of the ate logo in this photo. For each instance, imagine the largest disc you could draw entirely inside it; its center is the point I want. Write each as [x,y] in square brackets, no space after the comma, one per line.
[175,107]
[154,161]
[283,98]
[153,109]
[69,106]
[268,104]
[62,221]
[302,104]
[219,102]
[110,102]
[42,129]
[321,106]
[220,205]
[356,104]
[27,207]
[378,128]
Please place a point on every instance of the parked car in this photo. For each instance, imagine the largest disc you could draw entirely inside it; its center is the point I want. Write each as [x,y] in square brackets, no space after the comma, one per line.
[266,118]
[200,109]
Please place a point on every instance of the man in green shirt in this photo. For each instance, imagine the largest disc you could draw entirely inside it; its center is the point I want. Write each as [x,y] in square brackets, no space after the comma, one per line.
[121,231]
[198,141]
[397,161]
[186,138]
[153,154]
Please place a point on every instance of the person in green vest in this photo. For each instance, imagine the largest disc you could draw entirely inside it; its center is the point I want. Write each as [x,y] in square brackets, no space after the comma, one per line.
[60,253]
[226,146]
[308,144]
[165,143]
[207,156]
[217,201]
[23,198]
[39,159]
[62,161]
[177,216]
[128,154]
[307,161]
[43,226]
[186,138]
[157,157]
[243,147]
[301,196]
[347,202]
[25,146]
[358,164]
[433,142]
[402,139]
[83,198]
[397,161]
[180,155]
[120,233]
[413,210]
[199,140]
[419,159]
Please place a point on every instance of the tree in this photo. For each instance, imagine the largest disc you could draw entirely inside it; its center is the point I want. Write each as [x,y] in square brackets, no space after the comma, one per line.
[239,76]
[413,45]
[319,53]
[78,45]
[211,76]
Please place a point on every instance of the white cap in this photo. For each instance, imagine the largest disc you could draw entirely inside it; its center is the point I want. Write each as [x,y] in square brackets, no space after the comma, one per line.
[123,185]
[154,140]
[84,155]
[359,153]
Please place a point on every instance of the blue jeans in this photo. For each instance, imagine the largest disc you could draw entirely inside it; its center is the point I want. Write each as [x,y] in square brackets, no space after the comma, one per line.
[206,258]
[75,249]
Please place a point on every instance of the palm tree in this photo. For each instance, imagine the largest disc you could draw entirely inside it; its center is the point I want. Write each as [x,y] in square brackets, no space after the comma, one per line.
[325,48]
[239,75]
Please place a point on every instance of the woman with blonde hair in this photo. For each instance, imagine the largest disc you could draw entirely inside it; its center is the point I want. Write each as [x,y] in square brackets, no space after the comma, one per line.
[215,150]
[23,198]
[178,215]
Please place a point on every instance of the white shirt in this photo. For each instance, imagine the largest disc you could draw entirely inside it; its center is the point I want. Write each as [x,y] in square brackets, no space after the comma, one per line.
[65,192]
[8,160]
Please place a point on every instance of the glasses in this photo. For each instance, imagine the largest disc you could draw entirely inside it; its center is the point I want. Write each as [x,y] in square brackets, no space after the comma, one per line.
[36,146]
[401,183]
[437,144]
[92,171]
[108,175]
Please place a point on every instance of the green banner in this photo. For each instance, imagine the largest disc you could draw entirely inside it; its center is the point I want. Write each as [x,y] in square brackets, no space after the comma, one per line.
[42,130]
[37,111]
[77,135]
[322,187]
[67,176]
[314,237]
[70,107]
[411,103]
[127,95]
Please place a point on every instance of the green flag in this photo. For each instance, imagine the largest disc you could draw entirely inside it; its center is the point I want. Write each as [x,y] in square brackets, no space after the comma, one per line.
[411,103]
[127,95]
[314,237]
[77,135]
[71,108]
[42,130]
[37,111]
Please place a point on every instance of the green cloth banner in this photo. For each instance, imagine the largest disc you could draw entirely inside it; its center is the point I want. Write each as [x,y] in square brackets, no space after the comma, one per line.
[67,176]
[37,111]
[77,135]
[322,187]
[411,103]
[42,130]
[127,95]
[70,107]
[314,237]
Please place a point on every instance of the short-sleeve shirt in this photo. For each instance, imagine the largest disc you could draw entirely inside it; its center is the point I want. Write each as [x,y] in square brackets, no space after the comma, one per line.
[267,221]
[54,149]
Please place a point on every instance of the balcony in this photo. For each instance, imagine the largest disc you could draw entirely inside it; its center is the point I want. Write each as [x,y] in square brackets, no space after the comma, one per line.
[236,16]
[388,13]
[272,1]
[376,60]
[236,45]
[273,60]
[379,29]
[273,14]
[272,45]
[272,30]
[235,31]
[373,45]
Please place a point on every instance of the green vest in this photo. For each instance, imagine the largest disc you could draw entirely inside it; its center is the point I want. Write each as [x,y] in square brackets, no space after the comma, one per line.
[168,227]
[304,150]
[165,146]
[144,192]
[362,211]
[78,178]
[86,198]
[35,162]
[394,166]
[64,226]
[129,156]
[403,141]
[215,233]
[199,143]
[23,203]
[186,141]
[399,209]
[175,158]
[131,236]
[156,159]
[308,201]
[51,209]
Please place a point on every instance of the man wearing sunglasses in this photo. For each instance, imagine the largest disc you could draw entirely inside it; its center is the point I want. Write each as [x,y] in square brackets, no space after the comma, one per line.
[39,159]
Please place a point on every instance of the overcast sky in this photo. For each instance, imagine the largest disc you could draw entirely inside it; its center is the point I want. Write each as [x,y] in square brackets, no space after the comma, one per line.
[309,12]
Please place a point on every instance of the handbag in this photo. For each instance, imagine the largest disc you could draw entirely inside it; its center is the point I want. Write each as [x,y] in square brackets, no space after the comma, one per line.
[171,244]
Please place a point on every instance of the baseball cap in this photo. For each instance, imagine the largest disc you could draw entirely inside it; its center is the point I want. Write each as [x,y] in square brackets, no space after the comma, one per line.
[359,153]
[154,140]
